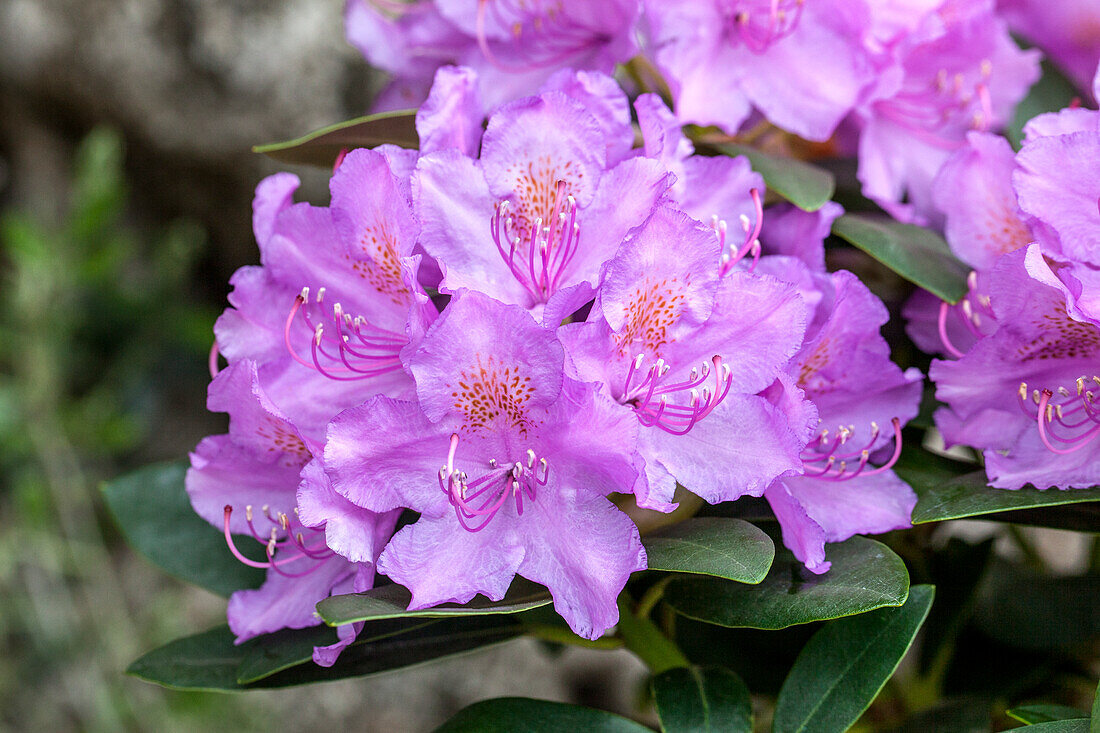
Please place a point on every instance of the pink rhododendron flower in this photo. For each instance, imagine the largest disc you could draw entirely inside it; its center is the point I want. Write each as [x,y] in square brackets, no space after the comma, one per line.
[246,483]
[513,46]
[527,454]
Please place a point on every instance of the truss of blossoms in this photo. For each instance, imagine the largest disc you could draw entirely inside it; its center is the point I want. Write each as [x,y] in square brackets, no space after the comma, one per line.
[579,361]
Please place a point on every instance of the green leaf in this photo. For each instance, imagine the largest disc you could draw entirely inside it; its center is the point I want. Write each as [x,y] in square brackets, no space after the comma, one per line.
[1080,725]
[392,601]
[99,188]
[919,255]
[526,715]
[153,511]
[321,147]
[1052,92]
[206,661]
[942,496]
[273,653]
[210,661]
[865,575]
[708,700]
[725,548]
[804,185]
[1044,713]
[843,667]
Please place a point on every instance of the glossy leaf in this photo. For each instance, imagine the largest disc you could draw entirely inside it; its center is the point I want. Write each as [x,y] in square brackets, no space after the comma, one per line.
[725,548]
[919,255]
[1080,725]
[210,661]
[707,700]
[392,601]
[804,185]
[949,489]
[1044,713]
[321,147]
[153,511]
[845,664]
[273,653]
[969,496]
[206,661]
[526,715]
[865,575]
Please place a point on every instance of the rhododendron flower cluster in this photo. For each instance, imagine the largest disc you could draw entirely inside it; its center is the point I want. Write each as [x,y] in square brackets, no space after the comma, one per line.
[583,336]
[491,356]
[1031,317]
[902,82]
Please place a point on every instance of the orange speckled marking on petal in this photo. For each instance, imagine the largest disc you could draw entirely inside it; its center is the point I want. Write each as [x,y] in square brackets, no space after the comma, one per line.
[383,268]
[1003,231]
[654,307]
[535,188]
[282,440]
[1061,337]
[491,392]
[812,364]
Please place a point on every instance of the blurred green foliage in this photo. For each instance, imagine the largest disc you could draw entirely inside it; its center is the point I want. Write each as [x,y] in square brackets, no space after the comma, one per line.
[88,310]
[100,335]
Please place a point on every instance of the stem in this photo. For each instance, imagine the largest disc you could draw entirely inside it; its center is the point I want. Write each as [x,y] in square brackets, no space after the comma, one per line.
[648,77]
[653,596]
[558,635]
[641,636]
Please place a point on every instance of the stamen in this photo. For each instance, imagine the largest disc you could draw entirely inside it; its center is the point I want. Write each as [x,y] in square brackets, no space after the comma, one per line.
[673,418]
[540,266]
[349,349]
[841,472]
[213,360]
[779,20]
[1076,413]
[751,243]
[940,111]
[272,544]
[540,36]
[496,486]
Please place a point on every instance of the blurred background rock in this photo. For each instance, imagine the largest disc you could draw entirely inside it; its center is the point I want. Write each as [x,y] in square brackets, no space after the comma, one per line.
[125,205]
